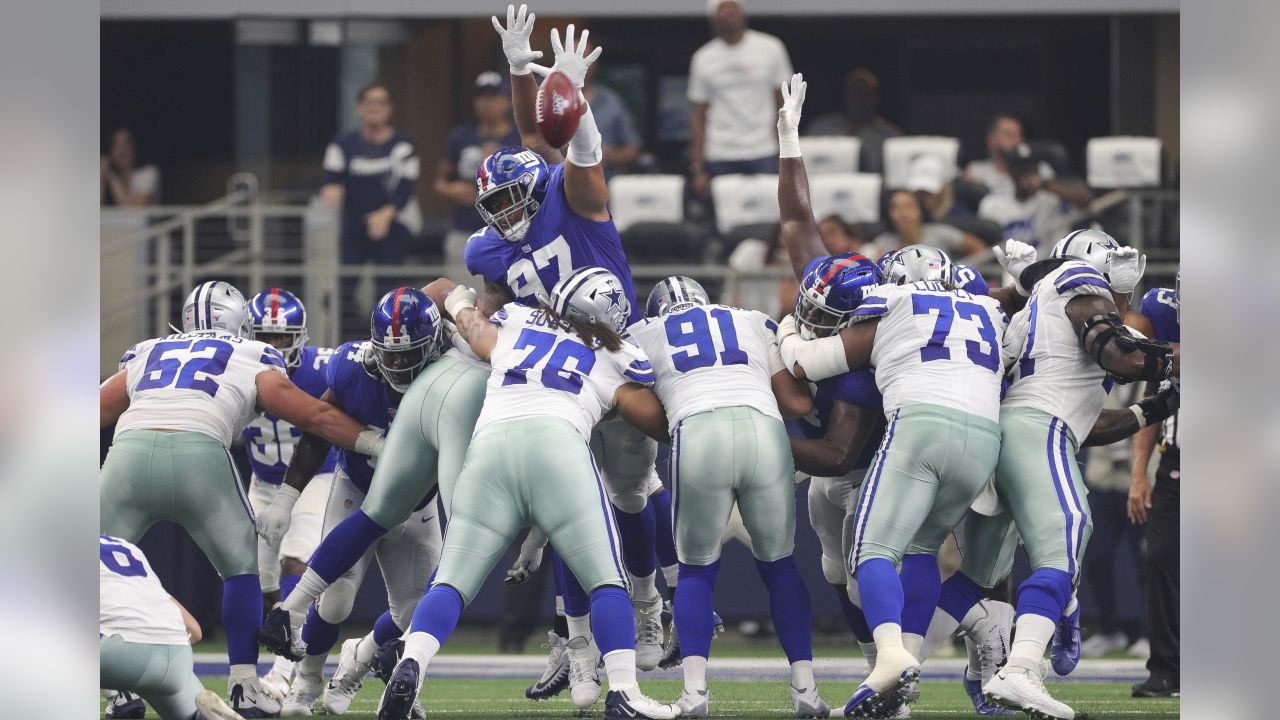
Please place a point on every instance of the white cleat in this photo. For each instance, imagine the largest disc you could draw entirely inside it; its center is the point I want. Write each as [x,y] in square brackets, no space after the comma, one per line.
[649,649]
[1023,689]
[275,684]
[808,704]
[250,700]
[992,635]
[302,695]
[347,679]
[584,678]
[693,704]
[630,703]
[211,707]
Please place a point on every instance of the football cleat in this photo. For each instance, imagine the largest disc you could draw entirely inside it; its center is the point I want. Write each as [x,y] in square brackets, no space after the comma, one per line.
[250,700]
[385,659]
[648,634]
[808,704]
[556,677]
[1064,650]
[275,684]
[402,692]
[281,633]
[991,636]
[125,705]
[302,695]
[693,704]
[584,677]
[632,704]
[1022,689]
[347,679]
[895,668]
[981,705]
[211,707]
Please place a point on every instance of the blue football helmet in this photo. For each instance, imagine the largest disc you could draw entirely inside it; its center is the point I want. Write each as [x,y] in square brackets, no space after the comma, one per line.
[674,293]
[918,263]
[885,261]
[217,305]
[971,281]
[280,313]
[593,295]
[830,292]
[406,334]
[510,186]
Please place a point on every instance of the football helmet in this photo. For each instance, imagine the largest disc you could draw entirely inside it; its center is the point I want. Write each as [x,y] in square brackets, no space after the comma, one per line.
[280,312]
[674,293]
[964,277]
[217,305]
[831,290]
[406,334]
[1092,246]
[510,186]
[918,263]
[594,295]
[883,263]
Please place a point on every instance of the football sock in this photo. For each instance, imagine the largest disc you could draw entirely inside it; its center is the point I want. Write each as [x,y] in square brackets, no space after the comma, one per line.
[345,545]
[312,664]
[612,622]
[921,585]
[319,634]
[974,669]
[692,608]
[645,589]
[240,672]
[1030,638]
[958,596]
[941,629]
[869,652]
[671,575]
[241,617]
[422,647]
[576,602]
[287,583]
[385,629]
[1046,593]
[802,675]
[368,646]
[695,673]
[852,614]
[637,533]
[309,587]
[789,606]
[888,634]
[881,592]
[620,666]
[437,613]
[578,626]
[283,666]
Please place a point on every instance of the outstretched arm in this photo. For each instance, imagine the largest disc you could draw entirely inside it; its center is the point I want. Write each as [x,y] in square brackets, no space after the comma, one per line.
[829,356]
[584,186]
[1116,425]
[524,87]
[473,325]
[797,229]
[279,396]
[1124,356]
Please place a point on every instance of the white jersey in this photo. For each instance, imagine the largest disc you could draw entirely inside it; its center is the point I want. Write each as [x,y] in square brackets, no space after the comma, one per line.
[711,356]
[936,346]
[542,369]
[205,382]
[132,603]
[1052,372]
[457,347]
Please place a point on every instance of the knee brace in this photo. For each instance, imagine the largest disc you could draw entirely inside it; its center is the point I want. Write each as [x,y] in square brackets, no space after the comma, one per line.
[336,601]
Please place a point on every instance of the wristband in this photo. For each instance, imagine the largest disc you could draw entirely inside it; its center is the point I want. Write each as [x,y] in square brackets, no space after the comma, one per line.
[585,145]
[520,71]
[820,359]
[459,300]
[370,442]
[789,145]
[286,496]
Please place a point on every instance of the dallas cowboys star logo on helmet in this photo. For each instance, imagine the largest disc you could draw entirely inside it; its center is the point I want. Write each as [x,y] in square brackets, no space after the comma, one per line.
[615,297]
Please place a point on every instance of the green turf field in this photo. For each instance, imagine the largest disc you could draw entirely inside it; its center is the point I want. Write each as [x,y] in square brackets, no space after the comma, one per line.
[736,699]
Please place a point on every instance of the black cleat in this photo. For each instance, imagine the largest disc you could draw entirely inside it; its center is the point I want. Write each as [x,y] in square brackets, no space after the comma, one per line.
[126,706]
[385,659]
[279,635]
[1156,687]
[402,691]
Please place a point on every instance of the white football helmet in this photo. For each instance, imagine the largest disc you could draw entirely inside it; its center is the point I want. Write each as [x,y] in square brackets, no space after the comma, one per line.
[1092,246]
[217,305]
[917,263]
[594,295]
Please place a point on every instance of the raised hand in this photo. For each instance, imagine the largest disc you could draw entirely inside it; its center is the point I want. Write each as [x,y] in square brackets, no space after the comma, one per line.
[570,60]
[1125,268]
[792,100]
[515,38]
[1015,257]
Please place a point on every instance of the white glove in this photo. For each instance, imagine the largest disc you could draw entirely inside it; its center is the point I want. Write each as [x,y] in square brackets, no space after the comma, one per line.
[1125,268]
[515,39]
[459,298]
[530,558]
[1015,257]
[273,522]
[570,60]
[786,328]
[370,442]
[789,116]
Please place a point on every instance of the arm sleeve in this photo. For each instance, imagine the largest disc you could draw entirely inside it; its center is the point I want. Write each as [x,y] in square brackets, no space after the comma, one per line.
[335,164]
[1077,278]
[635,364]
[271,359]
[404,168]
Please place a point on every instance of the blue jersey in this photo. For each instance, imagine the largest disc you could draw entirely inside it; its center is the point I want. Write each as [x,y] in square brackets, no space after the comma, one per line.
[970,280]
[1160,307]
[857,387]
[367,399]
[269,440]
[558,242]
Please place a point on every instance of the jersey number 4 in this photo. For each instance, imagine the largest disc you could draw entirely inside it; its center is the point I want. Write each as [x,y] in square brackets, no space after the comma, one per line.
[195,373]
[948,309]
[559,377]
[691,329]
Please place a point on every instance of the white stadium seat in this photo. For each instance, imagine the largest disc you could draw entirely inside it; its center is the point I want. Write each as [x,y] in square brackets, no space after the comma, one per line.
[899,152]
[646,198]
[744,200]
[830,154]
[1123,162]
[855,197]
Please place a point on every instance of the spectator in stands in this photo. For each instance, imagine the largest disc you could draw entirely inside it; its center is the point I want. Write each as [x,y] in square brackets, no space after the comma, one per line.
[839,236]
[618,133]
[909,225]
[372,173]
[123,183]
[734,83]
[1004,136]
[466,148]
[1039,211]
[928,179]
[859,117]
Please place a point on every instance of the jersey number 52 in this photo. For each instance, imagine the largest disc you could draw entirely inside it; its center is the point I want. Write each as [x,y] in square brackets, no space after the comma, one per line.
[196,372]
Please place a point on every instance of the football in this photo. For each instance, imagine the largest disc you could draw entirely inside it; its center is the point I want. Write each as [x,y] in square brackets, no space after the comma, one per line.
[558,109]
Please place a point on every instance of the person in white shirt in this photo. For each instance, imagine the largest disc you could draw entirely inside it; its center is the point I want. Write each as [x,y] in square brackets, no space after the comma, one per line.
[1038,211]
[123,183]
[1004,135]
[733,93]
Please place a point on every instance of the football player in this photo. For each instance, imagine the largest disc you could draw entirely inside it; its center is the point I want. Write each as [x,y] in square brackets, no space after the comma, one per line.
[556,371]
[145,639]
[544,221]
[367,379]
[280,320]
[1075,347]
[177,402]
[718,374]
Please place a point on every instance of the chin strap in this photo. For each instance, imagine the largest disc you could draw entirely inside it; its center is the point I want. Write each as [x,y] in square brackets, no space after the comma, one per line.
[1101,330]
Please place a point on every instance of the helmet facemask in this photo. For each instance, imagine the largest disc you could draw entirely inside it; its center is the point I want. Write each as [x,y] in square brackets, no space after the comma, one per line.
[400,365]
[509,208]
[814,319]
[291,341]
